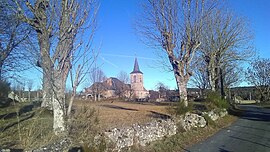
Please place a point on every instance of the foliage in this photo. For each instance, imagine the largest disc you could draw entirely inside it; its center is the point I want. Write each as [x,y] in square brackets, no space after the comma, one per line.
[83,127]
[258,74]
[4,88]
[180,108]
[26,130]
[209,120]
[215,100]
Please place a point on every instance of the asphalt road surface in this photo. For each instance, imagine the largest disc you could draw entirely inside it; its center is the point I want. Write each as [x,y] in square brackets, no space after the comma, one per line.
[250,133]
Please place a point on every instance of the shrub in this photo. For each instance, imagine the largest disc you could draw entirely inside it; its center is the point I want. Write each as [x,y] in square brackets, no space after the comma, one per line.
[209,120]
[216,101]
[83,128]
[4,89]
[180,109]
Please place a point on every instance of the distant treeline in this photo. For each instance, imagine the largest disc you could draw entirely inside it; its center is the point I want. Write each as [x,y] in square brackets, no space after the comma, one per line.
[245,93]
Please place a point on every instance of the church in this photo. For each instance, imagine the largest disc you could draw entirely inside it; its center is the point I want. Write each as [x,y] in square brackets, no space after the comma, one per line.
[114,88]
[136,82]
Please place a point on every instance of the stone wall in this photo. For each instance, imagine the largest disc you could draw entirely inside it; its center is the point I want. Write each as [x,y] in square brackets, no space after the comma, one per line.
[144,134]
[141,134]
[157,130]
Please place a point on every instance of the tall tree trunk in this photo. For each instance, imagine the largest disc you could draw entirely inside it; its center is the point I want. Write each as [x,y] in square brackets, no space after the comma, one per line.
[44,43]
[216,80]
[222,92]
[71,102]
[58,104]
[1,69]
[29,95]
[211,75]
[47,93]
[183,94]
[182,89]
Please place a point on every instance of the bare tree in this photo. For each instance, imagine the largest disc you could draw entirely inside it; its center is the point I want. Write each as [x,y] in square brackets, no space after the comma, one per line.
[97,76]
[29,86]
[79,74]
[13,33]
[123,76]
[175,27]
[226,40]
[122,90]
[162,90]
[199,78]
[258,74]
[233,75]
[57,25]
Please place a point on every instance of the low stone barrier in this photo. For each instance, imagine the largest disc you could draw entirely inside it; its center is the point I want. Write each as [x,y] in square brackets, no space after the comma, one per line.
[157,130]
[191,120]
[143,134]
[216,114]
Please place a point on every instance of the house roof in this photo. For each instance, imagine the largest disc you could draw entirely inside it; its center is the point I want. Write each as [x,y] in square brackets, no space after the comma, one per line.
[110,84]
[136,68]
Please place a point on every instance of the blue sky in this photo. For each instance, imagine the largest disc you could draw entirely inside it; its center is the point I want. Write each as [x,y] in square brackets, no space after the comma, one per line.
[119,43]
[118,37]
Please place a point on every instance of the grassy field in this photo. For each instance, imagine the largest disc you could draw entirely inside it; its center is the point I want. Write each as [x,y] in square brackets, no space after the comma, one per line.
[120,113]
[24,127]
[247,101]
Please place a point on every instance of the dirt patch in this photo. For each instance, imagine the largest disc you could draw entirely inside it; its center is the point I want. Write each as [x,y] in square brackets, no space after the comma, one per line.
[120,113]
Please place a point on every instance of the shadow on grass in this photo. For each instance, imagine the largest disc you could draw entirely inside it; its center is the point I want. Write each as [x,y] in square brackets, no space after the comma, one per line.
[159,115]
[118,107]
[24,109]
[223,150]
[15,123]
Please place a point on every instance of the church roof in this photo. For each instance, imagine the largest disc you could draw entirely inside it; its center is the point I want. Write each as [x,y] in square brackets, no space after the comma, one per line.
[136,68]
[109,84]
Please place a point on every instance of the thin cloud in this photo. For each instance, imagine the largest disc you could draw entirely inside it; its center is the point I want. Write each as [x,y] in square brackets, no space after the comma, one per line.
[109,62]
[129,56]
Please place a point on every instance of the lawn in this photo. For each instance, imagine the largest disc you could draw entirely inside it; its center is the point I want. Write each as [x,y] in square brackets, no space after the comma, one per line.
[32,128]
[121,113]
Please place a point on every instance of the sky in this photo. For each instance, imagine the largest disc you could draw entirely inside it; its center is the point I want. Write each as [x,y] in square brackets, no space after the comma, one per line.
[119,44]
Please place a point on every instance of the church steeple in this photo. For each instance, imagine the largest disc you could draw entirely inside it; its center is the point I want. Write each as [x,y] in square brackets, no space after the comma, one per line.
[136,68]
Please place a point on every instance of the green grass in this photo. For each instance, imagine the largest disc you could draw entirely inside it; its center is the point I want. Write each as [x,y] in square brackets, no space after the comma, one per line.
[179,108]
[12,108]
[29,130]
[215,101]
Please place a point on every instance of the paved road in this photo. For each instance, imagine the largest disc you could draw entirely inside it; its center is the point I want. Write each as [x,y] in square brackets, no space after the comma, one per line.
[251,133]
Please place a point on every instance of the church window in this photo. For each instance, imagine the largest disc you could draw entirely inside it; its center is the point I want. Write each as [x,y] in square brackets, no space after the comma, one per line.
[134,79]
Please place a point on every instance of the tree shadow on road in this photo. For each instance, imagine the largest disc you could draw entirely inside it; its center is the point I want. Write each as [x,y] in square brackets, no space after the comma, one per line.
[223,150]
[256,115]
[253,128]
[253,142]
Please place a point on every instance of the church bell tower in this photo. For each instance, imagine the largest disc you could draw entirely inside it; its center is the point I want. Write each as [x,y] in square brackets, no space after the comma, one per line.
[136,81]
